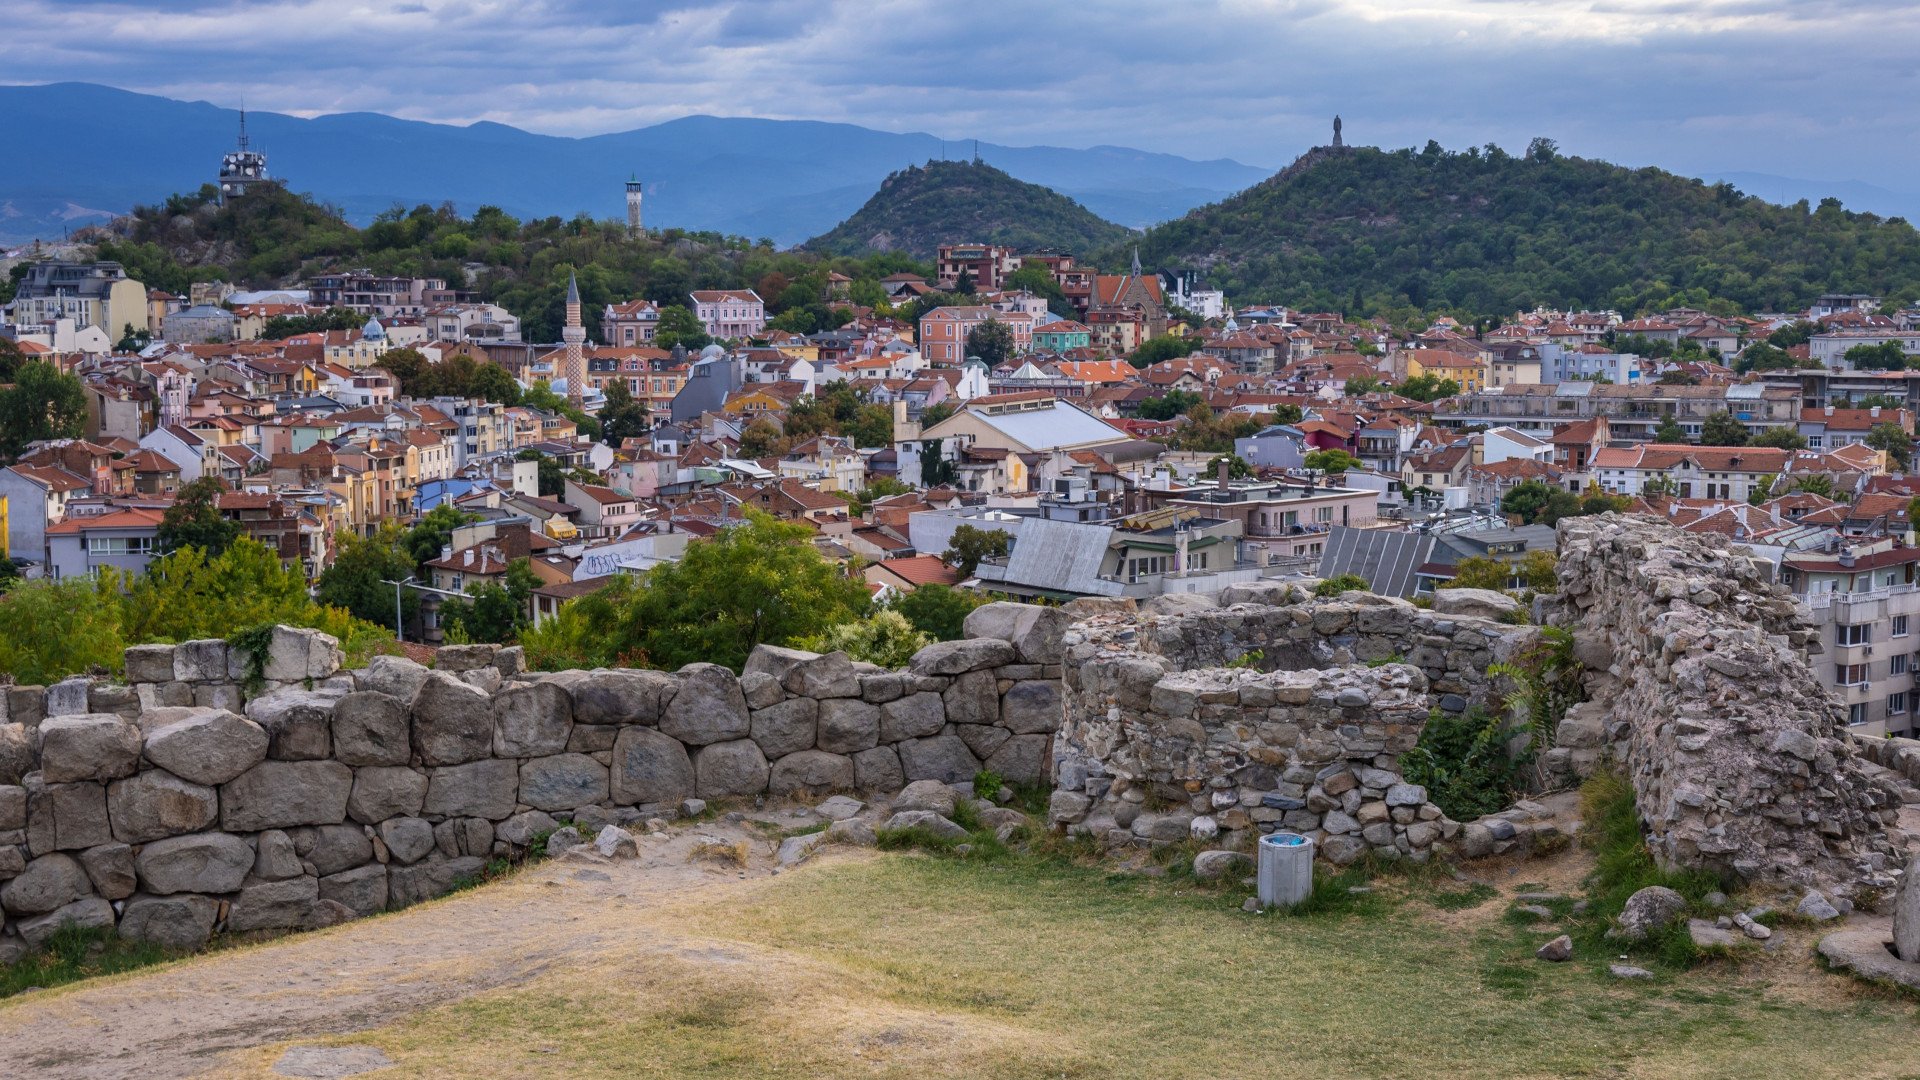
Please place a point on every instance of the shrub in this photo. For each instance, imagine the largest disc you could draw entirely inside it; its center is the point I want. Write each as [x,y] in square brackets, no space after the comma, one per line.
[885,638]
[1463,761]
[1334,586]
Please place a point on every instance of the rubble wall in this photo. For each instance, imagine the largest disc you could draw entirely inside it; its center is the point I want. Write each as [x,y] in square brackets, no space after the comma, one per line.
[179,803]
[1701,689]
[1161,741]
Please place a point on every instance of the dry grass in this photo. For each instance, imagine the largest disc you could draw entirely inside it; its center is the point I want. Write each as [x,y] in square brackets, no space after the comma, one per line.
[910,966]
[725,852]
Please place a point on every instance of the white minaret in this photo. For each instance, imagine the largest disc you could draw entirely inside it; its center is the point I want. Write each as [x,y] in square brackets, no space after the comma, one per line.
[574,336]
[634,193]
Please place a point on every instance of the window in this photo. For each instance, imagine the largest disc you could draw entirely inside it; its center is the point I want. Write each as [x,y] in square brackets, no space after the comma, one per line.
[1853,634]
[1850,674]
[1897,664]
[1899,626]
[1856,714]
[1897,704]
[119,545]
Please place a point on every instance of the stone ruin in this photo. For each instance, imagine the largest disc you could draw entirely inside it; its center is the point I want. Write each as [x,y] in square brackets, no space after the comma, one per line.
[179,803]
[189,799]
[1278,711]
[1700,688]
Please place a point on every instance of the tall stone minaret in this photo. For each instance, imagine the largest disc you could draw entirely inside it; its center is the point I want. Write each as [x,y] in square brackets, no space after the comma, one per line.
[575,337]
[635,190]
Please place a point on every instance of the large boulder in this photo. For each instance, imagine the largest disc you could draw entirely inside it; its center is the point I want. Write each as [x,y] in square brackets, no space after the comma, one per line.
[175,922]
[1476,603]
[205,660]
[275,858]
[16,752]
[333,848]
[960,657]
[480,789]
[973,698]
[1906,914]
[807,674]
[943,757]
[562,782]
[67,817]
[362,890]
[155,804]
[384,791]
[618,697]
[708,708]
[371,727]
[149,663]
[88,913]
[649,767]
[110,868]
[1022,759]
[452,721]
[532,720]
[299,723]
[428,878]
[281,794]
[408,839]
[88,746]
[200,863]
[878,769]
[49,882]
[1031,707]
[915,716]
[1646,912]
[273,905]
[395,676]
[729,769]
[811,771]
[1034,631]
[848,726]
[787,727]
[207,746]
[296,654]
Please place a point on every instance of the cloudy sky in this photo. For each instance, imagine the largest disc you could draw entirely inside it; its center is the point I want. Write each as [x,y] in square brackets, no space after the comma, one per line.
[1822,89]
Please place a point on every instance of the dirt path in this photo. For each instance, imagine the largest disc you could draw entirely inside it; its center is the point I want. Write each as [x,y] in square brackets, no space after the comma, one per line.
[183,1020]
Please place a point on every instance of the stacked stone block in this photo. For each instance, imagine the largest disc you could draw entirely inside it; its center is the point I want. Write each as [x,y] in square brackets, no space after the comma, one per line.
[179,804]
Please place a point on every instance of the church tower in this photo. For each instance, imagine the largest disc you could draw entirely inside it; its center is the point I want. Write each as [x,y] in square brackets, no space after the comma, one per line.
[635,190]
[575,337]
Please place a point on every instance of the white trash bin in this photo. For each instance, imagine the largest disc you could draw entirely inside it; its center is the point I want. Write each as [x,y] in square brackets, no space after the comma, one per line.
[1285,873]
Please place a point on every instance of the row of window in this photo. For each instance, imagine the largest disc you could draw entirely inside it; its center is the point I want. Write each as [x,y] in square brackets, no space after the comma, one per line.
[1845,634]
[1896,706]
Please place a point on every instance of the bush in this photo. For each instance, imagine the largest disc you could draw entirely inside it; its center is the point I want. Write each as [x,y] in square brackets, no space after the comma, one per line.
[1334,586]
[1463,761]
[885,638]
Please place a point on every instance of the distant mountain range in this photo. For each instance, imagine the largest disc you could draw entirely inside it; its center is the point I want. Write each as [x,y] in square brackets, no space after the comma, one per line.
[949,202]
[83,153]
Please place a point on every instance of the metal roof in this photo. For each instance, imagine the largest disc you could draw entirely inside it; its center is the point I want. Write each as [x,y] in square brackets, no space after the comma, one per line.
[1387,558]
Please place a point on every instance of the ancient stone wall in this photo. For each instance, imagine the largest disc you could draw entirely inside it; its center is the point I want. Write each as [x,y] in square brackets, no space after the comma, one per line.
[178,803]
[1701,689]
[1161,741]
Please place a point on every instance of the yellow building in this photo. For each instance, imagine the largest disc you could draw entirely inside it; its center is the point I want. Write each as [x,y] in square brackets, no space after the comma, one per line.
[1470,372]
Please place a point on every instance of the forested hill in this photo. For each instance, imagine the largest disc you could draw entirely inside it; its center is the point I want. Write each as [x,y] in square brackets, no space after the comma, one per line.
[1362,230]
[946,202]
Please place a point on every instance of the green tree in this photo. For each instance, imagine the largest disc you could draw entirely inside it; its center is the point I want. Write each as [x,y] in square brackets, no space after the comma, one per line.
[1886,356]
[52,629]
[938,611]
[1368,384]
[1237,468]
[622,417]
[1526,499]
[43,403]
[1330,461]
[762,581]
[434,531]
[933,414]
[1659,486]
[191,594]
[357,580]
[1169,405]
[1815,484]
[493,613]
[1796,333]
[1534,570]
[1165,347]
[970,544]
[491,382]
[678,326]
[992,342]
[1890,437]
[1669,431]
[1423,387]
[1779,438]
[1721,429]
[194,519]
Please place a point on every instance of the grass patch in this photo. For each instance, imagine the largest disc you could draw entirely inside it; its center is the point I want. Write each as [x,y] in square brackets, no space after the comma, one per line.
[74,953]
[1462,899]
[1623,866]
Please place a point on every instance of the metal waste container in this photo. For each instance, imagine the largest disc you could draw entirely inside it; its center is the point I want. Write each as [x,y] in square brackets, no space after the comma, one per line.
[1285,873]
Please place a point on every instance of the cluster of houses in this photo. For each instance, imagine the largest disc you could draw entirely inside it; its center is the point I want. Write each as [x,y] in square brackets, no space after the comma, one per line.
[1090,463]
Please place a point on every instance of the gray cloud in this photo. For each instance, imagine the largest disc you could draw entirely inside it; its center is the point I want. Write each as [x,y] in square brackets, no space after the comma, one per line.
[1820,88]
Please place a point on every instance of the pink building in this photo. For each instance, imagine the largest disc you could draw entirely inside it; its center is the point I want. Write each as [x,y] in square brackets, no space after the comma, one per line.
[730,313]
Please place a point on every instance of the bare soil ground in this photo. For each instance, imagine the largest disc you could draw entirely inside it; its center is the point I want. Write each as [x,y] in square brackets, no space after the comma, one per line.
[184,1019]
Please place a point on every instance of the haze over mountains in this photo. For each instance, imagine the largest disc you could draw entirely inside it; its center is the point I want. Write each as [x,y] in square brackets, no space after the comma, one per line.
[110,149]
